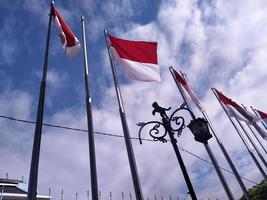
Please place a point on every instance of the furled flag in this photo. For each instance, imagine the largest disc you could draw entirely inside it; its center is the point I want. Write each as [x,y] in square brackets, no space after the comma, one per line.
[182,81]
[69,41]
[262,115]
[138,58]
[235,110]
[260,130]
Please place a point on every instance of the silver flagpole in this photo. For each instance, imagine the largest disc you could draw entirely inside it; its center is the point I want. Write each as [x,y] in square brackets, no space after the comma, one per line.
[225,153]
[32,187]
[128,142]
[258,116]
[254,132]
[88,99]
[251,141]
[242,138]
[207,147]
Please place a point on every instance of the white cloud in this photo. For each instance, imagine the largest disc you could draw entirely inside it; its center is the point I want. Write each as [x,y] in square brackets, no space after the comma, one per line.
[222,44]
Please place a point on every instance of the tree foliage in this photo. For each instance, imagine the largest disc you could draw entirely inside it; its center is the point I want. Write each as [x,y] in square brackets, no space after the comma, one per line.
[258,192]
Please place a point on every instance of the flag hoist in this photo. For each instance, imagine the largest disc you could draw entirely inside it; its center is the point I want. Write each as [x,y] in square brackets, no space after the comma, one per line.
[139,62]
[182,83]
[71,45]
[233,110]
[88,100]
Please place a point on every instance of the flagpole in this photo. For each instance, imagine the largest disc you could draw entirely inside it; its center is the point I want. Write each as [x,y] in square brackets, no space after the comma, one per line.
[207,147]
[91,140]
[259,116]
[32,187]
[225,153]
[242,138]
[254,132]
[130,152]
[251,141]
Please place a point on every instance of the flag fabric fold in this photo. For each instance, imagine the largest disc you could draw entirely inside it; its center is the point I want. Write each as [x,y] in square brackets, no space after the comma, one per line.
[235,110]
[69,41]
[182,81]
[138,58]
[262,115]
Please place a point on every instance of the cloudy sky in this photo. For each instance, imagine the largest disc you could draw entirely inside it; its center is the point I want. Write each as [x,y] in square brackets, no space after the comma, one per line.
[218,43]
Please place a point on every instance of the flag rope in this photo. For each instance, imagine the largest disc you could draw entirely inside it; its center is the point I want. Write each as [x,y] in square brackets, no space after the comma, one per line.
[118,136]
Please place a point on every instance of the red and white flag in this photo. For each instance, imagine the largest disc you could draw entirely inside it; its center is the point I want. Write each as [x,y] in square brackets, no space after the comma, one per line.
[182,81]
[262,115]
[260,130]
[235,110]
[138,58]
[69,41]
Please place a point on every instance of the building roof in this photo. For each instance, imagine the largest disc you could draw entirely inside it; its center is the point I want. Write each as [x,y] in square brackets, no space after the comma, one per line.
[12,190]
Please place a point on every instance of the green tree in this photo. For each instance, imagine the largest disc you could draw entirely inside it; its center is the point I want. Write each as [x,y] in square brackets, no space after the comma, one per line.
[258,192]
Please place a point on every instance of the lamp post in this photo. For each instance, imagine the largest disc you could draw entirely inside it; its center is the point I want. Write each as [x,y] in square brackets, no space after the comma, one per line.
[172,126]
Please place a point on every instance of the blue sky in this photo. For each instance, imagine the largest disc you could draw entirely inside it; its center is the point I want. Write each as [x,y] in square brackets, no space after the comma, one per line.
[218,44]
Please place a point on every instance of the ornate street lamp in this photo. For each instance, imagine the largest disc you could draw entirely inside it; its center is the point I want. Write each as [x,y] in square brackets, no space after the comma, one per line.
[172,126]
[200,129]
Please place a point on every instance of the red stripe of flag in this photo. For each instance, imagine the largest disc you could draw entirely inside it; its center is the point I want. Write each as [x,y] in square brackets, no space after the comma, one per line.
[70,37]
[228,101]
[263,115]
[138,51]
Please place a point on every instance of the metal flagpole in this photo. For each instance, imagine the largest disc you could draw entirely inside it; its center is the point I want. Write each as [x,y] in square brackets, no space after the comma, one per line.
[259,116]
[32,187]
[181,163]
[225,153]
[251,141]
[62,195]
[254,132]
[92,157]
[242,138]
[2,192]
[207,147]
[130,152]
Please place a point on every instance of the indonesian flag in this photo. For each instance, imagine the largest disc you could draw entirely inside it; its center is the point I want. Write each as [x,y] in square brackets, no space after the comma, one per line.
[138,58]
[235,110]
[262,115]
[182,81]
[261,131]
[69,41]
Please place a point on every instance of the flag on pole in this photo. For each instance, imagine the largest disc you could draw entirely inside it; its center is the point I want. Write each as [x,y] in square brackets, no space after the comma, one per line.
[235,110]
[262,115]
[182,81]
[138,58]
[260,130]
[69,41]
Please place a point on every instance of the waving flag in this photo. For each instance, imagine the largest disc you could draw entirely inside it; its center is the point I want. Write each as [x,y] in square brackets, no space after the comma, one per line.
[182,81]
[138,58]
[262,115]
[235,110]
[69,41]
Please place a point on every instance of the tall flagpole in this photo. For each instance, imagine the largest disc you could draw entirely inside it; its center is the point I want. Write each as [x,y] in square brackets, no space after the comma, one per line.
[32,187]
[242,138]
[259,116]
[92,157]
[251,141]
[225,153]
[130,152]
[207,147]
